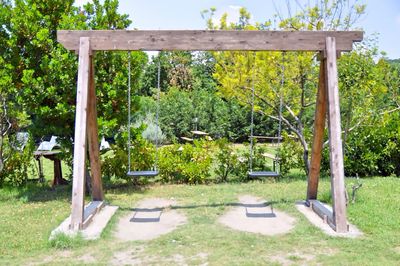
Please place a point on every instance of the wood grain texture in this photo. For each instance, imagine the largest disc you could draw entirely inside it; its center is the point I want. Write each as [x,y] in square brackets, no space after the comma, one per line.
[335,139]
[318,140]
[93,139]
[78,197]
[206,40]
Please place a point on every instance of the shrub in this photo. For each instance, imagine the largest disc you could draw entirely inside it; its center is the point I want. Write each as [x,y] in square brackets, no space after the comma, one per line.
[372,150]
[186,163]
[19,160]
[259,162]
[226,160]
[152,132]
[290,155]
[115,161]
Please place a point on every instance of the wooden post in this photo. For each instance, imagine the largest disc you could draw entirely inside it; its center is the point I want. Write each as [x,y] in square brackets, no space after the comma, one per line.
[58,179]
[335,140]
[93,139]
[78,195]
[41,175]
[318,141]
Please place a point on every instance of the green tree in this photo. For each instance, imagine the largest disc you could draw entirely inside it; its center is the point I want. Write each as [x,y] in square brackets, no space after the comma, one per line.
[39,75]
[279,78]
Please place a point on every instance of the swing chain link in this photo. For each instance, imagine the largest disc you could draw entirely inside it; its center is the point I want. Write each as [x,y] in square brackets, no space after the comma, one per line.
[282,83]
[129,111]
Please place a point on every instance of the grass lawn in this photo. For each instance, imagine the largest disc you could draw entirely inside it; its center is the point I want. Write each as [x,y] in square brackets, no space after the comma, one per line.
[28,215]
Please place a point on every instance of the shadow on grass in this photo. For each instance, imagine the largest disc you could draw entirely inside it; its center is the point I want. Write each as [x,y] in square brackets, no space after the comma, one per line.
[44,192]
[39,192]
[35,192]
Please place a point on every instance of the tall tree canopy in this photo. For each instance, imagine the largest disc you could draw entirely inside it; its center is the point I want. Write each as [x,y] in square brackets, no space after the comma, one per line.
[360,77]
[38,76]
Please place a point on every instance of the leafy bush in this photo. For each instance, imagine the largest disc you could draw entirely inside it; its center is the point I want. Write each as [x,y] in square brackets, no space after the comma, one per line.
[372,150]
[186,163]
[152,132]
[19,160]
[290,155]
[115,161]
[259,162]
[226,160]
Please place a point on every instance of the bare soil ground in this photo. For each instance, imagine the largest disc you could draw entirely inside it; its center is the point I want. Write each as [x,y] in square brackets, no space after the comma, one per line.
[257,216]
[149,220]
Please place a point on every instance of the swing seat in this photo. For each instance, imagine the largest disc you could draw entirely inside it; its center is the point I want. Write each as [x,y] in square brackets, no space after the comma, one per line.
[150,173]
[259,174]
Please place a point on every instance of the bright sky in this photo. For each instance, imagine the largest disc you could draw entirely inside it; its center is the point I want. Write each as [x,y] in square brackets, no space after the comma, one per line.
[382,17]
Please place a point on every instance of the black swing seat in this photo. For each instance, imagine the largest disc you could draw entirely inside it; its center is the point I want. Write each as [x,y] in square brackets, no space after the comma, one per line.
[258,174]
[149,173]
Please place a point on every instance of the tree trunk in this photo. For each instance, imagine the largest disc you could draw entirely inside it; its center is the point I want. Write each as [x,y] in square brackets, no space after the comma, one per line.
[1,164]
[306,161]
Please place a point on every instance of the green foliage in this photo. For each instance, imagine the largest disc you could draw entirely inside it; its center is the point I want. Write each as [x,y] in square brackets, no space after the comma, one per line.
[374,150]
[290,154]
[38,82]
[182,111]
[115,161]
[259,161]
[176,110]
[18,161]
[153,131]
[182,69]
[370,100]
[186,163]
[226,160]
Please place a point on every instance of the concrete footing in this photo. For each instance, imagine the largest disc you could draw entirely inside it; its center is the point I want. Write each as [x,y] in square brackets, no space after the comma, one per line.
[91,230]
[317,221]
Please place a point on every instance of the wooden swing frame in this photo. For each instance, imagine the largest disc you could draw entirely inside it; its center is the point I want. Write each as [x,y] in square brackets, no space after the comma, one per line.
[328,43]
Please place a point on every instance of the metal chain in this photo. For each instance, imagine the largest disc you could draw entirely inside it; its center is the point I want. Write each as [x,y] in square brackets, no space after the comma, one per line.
[252,120]
[129,111]
[158,109]
[281,98]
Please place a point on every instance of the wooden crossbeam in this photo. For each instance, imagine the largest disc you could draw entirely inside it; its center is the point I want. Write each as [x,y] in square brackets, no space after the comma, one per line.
[208,40]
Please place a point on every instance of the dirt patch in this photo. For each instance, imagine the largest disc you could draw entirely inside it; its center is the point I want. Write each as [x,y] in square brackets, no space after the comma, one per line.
[257,216]
[354,232]
[149,220]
